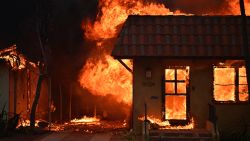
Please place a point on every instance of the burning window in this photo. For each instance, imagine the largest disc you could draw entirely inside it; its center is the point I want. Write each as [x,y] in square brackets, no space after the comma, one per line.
[176,81]
[230,84]
[243,88]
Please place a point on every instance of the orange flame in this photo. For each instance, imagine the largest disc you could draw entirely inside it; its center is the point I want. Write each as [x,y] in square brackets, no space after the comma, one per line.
[235,7]
[166,124]
[15,59]
[26,123]
[108,76]
[176,81]
[225,87]
[86,120]
[115,12]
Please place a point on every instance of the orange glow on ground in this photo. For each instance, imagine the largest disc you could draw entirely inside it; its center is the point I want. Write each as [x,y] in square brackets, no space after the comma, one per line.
[86,120]
[166,124]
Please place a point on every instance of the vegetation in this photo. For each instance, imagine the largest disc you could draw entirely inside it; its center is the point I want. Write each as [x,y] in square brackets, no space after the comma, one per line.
[7,125]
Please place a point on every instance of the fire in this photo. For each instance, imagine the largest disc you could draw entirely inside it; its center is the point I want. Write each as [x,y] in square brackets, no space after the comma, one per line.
[115,12]
[243,88]
[86,120]
[176,81]
[109,77]
[16,61]
[112,15]
[234,7]
[26,123]
[224,88]
[175,107]
[166,124]
[104,75]
[225,84]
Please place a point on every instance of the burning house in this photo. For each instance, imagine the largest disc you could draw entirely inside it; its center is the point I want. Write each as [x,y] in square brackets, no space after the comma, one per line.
[188,71]
[181,72]
[17,87]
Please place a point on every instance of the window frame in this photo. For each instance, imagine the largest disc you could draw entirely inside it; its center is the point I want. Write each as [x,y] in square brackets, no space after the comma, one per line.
[176,81]
[236,85]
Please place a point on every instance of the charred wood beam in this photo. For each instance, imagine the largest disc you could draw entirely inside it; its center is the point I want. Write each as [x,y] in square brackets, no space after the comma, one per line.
[245,43]
[125,65]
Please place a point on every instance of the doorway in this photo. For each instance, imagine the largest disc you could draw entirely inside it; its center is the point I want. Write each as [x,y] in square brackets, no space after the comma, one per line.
[176,93]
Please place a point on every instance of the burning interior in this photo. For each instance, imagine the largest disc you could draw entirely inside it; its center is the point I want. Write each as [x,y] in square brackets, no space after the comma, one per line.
[230,84]
[144,58]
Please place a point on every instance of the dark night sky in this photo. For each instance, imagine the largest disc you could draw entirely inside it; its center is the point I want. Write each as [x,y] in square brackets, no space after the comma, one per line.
[12,12]
[68,14]
[65,34]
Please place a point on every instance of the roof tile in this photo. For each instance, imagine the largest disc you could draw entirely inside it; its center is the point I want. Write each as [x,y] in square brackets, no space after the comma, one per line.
[180,36]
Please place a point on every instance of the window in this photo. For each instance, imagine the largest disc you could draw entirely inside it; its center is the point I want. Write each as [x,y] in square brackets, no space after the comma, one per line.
[176,81]
[230,84]
[243,88]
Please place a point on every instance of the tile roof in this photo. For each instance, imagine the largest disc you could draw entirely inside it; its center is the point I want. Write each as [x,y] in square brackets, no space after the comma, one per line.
[181,37]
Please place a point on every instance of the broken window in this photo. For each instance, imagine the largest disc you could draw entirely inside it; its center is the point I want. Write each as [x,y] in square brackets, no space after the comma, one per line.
[176,81]
[230,84]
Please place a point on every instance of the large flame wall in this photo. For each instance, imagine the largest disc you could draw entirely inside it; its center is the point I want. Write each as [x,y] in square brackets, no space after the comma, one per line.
[104,75]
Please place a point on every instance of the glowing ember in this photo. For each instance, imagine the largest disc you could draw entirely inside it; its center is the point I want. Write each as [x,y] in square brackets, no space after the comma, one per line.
[15,59]
[166,124]
[86,120]
[83,127]
[26,123]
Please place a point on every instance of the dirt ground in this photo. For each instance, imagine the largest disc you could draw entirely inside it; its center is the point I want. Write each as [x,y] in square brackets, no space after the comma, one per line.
[69,136]
[104,131]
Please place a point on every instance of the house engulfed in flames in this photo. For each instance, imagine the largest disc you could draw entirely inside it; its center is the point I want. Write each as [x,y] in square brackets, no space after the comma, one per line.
[17,86]
[186,70]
